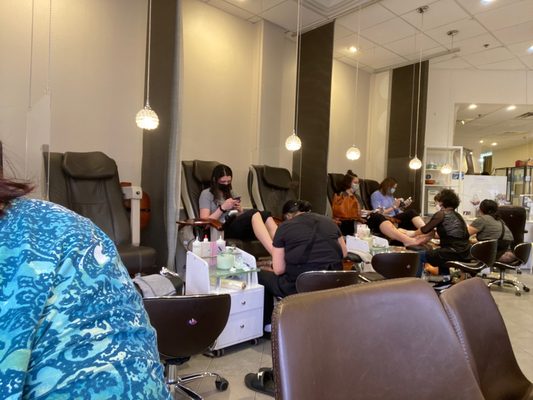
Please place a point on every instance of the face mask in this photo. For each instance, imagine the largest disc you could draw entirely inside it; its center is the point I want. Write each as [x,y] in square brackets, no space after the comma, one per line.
[355,188]
[392,190]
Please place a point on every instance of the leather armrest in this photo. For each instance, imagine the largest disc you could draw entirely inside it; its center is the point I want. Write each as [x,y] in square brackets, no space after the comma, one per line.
[201,222]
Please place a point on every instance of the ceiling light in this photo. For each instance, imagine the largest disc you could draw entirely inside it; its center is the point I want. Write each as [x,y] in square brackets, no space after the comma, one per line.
[415,163]
[353,49]
[485,2]
[147,118]
[511,107]
[494,144]
[353,153]
[530,49]
[293,142]
[481,141]
[472,106]
[462,122]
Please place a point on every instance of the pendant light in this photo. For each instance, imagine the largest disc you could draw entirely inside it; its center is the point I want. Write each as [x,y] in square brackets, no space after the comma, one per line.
[447,169]
[293,142]
[147,118]
[415,162]
[353,152]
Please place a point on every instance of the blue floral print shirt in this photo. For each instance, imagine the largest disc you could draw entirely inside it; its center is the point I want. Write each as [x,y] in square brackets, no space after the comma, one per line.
[72,325]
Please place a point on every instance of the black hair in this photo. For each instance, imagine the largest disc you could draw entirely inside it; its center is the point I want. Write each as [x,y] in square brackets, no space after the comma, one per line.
[386,185]
[347,179]
[448,198]
[489,207]
[10,190]
[218,172]
[293,206]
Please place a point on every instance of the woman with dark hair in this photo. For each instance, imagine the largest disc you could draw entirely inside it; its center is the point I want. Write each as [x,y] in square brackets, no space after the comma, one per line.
[349,191]
[452,232]
[220,203]
[383,200]
[304,242]
[489,225]
[72,324]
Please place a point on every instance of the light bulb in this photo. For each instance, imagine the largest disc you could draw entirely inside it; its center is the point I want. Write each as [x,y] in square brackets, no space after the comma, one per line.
[446,169]
[147,118]
[415,163]
[353,153]
[293,142]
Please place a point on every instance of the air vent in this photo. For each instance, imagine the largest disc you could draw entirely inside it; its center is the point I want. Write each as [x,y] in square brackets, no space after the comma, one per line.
[528,115]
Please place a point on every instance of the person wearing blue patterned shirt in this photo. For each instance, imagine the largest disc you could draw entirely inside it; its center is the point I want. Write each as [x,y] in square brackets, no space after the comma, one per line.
[72,325]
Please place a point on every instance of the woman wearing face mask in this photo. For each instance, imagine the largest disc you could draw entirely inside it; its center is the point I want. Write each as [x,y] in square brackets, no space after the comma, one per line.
[452,231]
[384,200]
[218,202]
[375,221]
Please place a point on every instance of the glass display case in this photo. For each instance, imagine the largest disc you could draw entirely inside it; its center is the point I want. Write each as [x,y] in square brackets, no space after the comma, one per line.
[435,178]
[518,183]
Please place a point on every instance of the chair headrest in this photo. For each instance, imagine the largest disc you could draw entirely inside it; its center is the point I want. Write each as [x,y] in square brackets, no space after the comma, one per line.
[336,182]
[202,170]
[90,165]
[279,178]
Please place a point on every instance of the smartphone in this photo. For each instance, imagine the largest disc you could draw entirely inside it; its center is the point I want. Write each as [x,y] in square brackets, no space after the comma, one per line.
[236,198]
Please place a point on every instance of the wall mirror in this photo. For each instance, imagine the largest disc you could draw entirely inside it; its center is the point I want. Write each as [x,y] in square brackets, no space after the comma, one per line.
[497,134]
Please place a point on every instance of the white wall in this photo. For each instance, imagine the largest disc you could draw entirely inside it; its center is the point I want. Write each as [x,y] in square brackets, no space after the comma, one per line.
[348,113]
[236,86]
[96,81]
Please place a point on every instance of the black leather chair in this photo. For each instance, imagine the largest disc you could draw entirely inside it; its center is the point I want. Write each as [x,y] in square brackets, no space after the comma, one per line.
[515,219]
[367,186]
[521,252]
[270,188]
[88,184]
[478,322]
[320,280]
[187,325]
[402,264]
[195,177]
[484,255]
[386,340]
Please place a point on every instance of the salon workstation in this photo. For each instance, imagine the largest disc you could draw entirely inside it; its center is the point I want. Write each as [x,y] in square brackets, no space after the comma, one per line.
[222,152]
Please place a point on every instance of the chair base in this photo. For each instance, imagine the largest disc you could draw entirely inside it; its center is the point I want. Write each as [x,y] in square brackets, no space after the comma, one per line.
[515,283]
[177,383]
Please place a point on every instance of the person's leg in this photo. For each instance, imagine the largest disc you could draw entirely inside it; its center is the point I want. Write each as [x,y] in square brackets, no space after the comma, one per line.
[388,229]
[270,281]
[261,232]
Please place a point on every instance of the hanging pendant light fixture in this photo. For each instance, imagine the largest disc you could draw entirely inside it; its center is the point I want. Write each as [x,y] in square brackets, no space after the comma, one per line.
[447,169]
[353,153]
[415,162]
[293,142]
[147,118]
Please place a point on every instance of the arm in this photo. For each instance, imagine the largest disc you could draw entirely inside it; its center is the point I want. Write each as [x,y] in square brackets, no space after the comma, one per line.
[472,230]
[343,247]
[278,260]
[437,218]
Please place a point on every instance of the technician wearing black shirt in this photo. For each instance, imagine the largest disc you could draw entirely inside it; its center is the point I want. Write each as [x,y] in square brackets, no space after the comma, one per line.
[304,242]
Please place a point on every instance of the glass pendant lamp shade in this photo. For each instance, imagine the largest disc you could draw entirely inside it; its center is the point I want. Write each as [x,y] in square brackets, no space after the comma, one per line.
[446,169]
[415,163]
[353,153]
[147,118]
[293,142]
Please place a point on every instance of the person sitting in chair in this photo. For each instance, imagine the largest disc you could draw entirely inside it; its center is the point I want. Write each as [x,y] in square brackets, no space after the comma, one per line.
[304,242]
[376,221]
[220,203]
[72,324]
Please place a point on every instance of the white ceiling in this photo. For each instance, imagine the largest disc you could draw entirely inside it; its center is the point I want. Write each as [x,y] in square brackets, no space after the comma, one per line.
[494,36]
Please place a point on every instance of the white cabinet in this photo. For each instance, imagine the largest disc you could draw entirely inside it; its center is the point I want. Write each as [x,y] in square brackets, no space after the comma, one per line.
[245,321]
[435,178]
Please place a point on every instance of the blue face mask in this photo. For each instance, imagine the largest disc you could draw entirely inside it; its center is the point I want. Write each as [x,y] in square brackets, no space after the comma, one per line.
[392,190]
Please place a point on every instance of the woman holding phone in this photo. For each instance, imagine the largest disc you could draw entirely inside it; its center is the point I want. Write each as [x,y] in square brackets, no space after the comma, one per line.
[220,203]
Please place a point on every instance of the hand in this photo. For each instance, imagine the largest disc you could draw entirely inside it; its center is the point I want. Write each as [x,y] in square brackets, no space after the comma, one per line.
[397,202]
[229,204]
[407,202]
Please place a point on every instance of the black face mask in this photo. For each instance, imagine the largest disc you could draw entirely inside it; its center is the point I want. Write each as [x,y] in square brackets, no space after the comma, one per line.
[225,187]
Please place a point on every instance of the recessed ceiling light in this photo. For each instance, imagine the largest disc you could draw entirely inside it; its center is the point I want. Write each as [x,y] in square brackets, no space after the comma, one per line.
[472,106]
[353,49]
[485,2]
[481,141]
[462,122]
[494,144]
[511,107]
[530,49]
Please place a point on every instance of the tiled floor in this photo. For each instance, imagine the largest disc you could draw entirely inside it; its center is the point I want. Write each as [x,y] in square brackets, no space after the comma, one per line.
[241,359]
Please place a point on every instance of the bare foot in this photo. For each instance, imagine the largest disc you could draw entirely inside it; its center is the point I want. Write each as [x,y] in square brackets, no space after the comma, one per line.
[430,269]
[416,241]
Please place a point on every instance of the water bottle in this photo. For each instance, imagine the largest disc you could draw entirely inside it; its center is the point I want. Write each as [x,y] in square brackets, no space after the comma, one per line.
[205,247]
[221,245]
